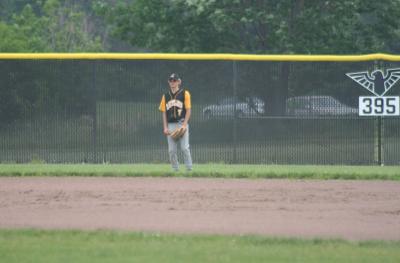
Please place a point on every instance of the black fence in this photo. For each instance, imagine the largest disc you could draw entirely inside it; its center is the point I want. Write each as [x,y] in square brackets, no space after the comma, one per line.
[106,110]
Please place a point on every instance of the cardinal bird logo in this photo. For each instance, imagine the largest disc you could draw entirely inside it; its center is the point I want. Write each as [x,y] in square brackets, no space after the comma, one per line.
[376,82]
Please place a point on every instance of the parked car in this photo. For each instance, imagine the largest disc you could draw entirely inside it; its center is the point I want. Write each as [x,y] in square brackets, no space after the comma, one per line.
[317,106]
[231,106]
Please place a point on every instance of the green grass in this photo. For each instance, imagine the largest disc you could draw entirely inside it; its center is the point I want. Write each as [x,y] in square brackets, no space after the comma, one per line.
[105,246]
[206,170]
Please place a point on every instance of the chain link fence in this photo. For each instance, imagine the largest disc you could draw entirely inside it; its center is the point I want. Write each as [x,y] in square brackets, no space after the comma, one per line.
[261,111]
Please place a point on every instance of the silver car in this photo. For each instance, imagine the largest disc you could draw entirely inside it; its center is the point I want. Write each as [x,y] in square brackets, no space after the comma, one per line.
[230,107]
[317,106]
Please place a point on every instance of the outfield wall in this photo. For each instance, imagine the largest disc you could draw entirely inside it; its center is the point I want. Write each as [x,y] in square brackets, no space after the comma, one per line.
[289,109]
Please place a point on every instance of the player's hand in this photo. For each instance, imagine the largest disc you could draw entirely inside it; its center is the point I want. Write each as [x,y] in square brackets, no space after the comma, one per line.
[166,131]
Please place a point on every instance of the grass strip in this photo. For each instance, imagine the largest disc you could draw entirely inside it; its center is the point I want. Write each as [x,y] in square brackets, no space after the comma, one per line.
[324,172]
[107,246]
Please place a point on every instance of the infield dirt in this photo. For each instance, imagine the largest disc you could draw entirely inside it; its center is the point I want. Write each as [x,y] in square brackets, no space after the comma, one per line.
[352,210]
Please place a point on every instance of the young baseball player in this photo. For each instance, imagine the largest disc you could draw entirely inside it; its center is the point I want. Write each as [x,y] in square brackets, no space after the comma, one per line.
[176,109]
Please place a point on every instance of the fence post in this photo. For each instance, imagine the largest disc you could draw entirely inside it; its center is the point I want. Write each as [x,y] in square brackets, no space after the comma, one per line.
[234,86]
[94,112]
[381,142]
[379,128]
[378,134]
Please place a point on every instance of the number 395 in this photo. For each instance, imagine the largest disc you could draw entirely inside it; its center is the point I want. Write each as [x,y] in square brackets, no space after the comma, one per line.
[378,106]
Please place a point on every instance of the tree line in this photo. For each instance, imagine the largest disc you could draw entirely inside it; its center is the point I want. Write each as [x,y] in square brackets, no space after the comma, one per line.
[201,26]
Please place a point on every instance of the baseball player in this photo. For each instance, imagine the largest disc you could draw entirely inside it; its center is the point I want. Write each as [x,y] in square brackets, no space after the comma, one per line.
[176,109]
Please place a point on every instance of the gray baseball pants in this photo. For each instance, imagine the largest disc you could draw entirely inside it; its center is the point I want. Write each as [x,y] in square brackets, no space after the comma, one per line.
[173,147]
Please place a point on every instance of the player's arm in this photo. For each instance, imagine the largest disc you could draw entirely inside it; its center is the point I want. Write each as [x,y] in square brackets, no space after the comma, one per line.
[187,117]
[163,110]
[188,107]
[165,123]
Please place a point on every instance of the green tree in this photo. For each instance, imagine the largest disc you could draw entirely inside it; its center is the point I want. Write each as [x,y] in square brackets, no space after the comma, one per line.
[68,29]
[10,7]
[167,26]
[31,26]
[50,26]
[268,26]
[11,39]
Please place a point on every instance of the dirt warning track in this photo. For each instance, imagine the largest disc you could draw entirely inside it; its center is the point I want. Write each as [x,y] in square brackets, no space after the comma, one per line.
[353,210]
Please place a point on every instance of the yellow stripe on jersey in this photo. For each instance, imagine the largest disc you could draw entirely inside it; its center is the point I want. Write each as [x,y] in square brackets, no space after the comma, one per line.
[162,106]
[188,102]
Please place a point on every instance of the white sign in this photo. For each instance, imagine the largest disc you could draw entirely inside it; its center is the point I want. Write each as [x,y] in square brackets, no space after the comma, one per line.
[378,106]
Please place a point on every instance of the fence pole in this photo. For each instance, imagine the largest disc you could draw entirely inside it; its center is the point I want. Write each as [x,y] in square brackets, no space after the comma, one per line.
[234,85]
[381,140]
[94,113]
[379,127]
[378,134]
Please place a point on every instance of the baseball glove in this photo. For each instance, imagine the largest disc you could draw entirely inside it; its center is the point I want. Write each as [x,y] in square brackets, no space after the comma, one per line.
[178,133]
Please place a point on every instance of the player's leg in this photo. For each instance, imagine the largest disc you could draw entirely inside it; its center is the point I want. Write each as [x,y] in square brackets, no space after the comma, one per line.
[185,147]
[173,148]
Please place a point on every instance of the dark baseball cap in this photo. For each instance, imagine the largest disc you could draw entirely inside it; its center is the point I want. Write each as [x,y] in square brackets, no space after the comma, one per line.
[173,76]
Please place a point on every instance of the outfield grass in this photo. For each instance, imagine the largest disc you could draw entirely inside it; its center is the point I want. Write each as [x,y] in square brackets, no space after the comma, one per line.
[206,170]
[104,246]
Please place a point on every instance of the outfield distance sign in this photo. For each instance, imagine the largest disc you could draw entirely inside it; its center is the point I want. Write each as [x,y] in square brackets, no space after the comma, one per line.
[378,106]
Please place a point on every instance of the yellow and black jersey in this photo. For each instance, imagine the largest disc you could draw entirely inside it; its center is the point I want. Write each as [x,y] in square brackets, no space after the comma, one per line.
[175,104]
